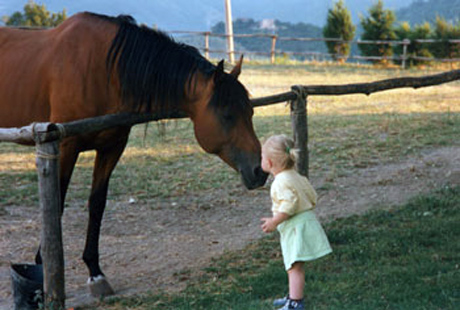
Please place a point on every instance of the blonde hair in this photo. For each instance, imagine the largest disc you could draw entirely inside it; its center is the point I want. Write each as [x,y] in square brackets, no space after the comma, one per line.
[280,149]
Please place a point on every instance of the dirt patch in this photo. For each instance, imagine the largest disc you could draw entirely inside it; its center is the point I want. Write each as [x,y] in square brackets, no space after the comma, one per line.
[145,246]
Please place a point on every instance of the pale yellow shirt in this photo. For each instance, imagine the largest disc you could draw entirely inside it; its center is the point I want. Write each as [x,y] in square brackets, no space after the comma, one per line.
[292,193]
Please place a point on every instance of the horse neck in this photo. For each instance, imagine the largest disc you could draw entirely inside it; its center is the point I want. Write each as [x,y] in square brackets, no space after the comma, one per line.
[198,92]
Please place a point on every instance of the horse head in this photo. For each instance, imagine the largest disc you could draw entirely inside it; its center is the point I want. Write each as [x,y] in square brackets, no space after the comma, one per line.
[223,125]
[157,74]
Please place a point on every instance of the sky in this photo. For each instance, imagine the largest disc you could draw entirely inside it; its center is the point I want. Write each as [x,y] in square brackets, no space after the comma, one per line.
[201,15]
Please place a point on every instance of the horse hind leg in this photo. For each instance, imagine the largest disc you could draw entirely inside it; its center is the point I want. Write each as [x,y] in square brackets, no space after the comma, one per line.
[106,161]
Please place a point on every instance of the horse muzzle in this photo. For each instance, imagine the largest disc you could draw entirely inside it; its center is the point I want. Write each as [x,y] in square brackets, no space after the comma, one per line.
[248,165]
[253,177]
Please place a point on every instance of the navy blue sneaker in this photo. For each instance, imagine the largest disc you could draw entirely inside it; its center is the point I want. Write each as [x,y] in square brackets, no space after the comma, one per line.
[293,305]
[279,302]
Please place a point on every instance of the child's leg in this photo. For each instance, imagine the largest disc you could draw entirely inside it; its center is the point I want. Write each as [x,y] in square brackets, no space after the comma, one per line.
[296,281]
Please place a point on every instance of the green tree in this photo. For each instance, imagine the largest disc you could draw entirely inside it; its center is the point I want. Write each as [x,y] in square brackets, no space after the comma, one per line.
[414,49]
[445,31]
[378,27]
[35,15]
[340,26]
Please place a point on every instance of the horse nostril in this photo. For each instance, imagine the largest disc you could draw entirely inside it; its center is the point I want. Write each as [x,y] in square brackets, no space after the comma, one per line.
[255,179]
[258,171]
[260,175]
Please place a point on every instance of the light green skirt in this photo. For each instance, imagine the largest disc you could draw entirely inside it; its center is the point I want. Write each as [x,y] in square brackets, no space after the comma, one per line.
[302,239]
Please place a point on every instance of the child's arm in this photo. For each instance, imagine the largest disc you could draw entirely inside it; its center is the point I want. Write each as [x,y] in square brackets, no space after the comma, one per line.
[270,223]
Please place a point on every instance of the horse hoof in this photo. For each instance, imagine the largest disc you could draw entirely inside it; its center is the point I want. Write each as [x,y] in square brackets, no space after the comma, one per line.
[99,287]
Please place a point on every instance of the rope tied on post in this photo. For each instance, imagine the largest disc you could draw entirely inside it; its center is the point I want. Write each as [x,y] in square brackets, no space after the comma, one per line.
[300,91]
[44,155]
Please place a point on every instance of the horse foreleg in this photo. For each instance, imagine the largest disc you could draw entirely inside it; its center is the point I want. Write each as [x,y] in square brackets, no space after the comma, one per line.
[68,158]
[106,161]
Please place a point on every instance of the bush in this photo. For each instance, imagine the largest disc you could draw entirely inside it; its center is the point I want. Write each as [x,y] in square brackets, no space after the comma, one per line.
[444,32]
[414,49]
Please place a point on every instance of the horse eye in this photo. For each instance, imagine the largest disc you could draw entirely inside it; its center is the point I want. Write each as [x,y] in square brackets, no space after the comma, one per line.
[229,118]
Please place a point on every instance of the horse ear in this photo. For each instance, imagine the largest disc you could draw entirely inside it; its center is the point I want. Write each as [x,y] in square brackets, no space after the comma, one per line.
[219,73]
[237,69]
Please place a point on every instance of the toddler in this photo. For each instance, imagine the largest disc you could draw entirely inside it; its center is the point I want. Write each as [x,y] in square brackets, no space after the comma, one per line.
[293,201]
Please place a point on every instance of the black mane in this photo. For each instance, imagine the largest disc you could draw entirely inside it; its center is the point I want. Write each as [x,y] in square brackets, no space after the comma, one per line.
[151,66]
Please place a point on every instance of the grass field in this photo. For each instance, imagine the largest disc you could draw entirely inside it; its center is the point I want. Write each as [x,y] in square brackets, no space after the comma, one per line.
[390,125]
[404,258]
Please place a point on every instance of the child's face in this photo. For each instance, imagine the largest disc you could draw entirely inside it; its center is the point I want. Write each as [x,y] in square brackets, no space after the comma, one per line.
[266,162]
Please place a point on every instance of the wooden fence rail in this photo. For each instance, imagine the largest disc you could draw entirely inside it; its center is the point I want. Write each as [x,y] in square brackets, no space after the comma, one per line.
[46,136]
[362,88]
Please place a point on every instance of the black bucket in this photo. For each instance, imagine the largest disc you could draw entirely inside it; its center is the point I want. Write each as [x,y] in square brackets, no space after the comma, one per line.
[27,286]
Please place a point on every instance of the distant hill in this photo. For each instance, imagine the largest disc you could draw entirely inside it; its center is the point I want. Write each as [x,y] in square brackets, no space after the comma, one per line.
[418,12]
[274,27]
[287,18]
[421,11]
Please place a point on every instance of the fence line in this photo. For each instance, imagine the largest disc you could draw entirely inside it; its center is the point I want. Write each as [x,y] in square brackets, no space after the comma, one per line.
[275,38]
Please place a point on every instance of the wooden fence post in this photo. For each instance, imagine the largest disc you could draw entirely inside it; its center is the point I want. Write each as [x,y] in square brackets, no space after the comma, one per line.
[52,252]
[406,43]
[273,50]
[206,44]
[299,120]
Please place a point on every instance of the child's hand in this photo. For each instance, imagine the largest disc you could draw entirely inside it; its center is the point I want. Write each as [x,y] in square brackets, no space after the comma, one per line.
[268,224]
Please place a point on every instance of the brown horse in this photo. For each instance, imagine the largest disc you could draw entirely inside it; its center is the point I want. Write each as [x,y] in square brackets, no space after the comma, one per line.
[93,65]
